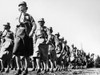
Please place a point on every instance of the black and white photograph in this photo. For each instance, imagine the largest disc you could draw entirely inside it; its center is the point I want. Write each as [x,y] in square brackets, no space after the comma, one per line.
[49,37]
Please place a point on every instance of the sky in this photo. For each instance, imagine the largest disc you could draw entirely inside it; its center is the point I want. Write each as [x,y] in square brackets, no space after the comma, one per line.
[78,21]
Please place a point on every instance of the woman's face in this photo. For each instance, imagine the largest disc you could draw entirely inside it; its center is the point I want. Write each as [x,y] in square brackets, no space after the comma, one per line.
[6,27]
[22,8]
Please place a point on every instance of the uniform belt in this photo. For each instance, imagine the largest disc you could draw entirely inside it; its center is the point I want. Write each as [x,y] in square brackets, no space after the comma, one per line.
[39,37]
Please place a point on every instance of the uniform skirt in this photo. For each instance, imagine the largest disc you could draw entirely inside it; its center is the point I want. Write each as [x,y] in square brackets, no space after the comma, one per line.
[51,52]
[23,46]
[36,52]
[43,49]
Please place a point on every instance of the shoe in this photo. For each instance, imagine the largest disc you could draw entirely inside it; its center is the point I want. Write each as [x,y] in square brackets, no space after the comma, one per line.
[25,72]
[2,70]
[51,70]
[7,71]
[33,69]
[45,71]
[38,71]
[18,72]
[56,69]
[11,68]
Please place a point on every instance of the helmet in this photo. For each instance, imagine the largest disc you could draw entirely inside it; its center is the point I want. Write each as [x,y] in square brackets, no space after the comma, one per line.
[23,3]
[41,20]
[57,34]
[65,41]
[7,25]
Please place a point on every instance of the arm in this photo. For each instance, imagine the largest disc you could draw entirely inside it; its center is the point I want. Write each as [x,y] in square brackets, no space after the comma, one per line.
[33,30]
[34,27]
[49,36]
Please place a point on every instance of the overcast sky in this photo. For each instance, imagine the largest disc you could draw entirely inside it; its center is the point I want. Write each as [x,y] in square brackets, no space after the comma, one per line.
[78,21]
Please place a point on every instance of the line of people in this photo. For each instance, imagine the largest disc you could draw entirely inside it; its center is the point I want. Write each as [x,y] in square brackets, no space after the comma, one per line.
[40,47]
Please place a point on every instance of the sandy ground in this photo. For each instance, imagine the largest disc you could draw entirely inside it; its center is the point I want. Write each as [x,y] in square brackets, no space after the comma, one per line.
[92,71]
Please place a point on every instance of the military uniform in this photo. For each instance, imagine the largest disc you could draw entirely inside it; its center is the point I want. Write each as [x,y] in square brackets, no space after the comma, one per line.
[23,43]
[5,33]
[51,48]
[7,46]
[40,39]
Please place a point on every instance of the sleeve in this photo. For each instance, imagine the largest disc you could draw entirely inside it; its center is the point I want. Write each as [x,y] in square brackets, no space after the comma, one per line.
[16,29]
[12,35]
[16,21]
[32,19]
[33,22]
[7,44]
[34,26]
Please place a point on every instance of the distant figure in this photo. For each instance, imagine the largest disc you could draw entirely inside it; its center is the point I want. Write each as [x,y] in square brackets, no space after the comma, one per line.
[0,38]
[6,47]
[23,41]
[51,49]
[6,31]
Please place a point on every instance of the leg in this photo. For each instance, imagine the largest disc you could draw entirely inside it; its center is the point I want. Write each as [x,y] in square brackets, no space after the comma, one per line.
[18,63]
[38,64]
[8,66]
[33,64]
[2,66]
[25,66]
[51,64]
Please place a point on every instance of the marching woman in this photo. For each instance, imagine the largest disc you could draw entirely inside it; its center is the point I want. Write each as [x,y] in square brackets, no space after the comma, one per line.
[22,41]
[51,49]
[40,49]
[6,47]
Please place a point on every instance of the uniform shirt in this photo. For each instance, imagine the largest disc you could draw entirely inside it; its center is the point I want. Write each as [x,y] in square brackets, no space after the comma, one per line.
[7,45]
[25,25]
[56,41]
[6,34]
[52,39]
[41,33]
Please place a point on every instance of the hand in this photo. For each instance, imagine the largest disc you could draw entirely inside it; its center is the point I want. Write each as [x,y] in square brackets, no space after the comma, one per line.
[17,26]
[13,56]
[47,42]
[7,52]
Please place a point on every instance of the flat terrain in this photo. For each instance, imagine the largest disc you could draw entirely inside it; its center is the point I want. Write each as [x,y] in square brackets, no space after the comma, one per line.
[91,71]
